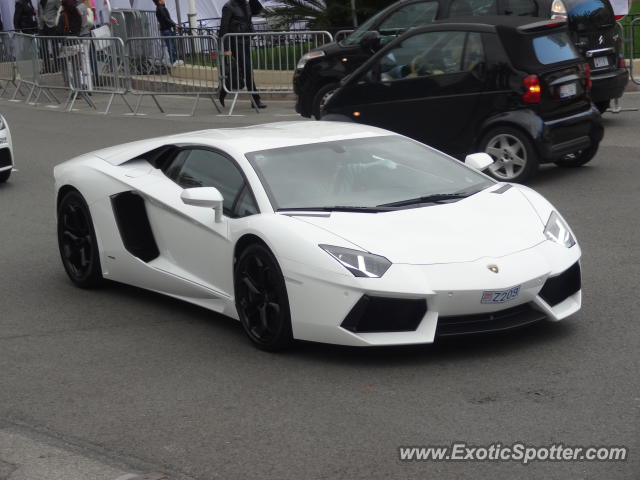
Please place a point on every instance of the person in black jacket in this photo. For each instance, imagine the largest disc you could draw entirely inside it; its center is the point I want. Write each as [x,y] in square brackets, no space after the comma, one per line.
[24,17]
[168,29]
[236,18]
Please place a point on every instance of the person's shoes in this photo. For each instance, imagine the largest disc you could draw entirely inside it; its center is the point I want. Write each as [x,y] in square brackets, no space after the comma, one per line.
[221,95]
[177,63]
[259,104]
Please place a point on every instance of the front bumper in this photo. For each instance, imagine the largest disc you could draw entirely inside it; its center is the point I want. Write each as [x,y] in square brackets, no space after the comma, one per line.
[608,85]
[323,310]
[569,134]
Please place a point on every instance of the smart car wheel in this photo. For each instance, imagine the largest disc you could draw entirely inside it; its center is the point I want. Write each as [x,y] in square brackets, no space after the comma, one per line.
[77,241]
[261,299]
[321,97]
[4,176]
[579,158]
[515,159]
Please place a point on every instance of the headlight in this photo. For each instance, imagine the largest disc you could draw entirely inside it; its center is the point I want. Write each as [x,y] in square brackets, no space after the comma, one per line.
[558,10]
[558,231]
[361,264]
[308,56]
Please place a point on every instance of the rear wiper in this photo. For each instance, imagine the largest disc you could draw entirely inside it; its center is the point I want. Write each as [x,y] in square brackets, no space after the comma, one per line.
[337,208]
[435,198]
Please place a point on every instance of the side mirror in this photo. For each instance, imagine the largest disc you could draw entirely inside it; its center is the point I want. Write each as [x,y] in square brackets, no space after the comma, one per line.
[370,41]
[478,161]
[207,197]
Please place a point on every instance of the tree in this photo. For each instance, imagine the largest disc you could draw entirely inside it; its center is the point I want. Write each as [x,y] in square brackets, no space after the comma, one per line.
[324,14]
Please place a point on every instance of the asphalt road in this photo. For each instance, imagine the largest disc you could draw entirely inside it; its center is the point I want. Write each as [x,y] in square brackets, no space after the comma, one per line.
[135,382]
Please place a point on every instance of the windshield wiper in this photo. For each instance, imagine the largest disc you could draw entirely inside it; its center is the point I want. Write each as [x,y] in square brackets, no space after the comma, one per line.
[435,198]
[337,208]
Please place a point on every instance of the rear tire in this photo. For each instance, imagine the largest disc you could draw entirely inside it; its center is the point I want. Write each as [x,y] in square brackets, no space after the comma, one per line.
[515,158]
[77,241]
[321,97]
[261,299]
[603,106]
[579,158]
[4,176]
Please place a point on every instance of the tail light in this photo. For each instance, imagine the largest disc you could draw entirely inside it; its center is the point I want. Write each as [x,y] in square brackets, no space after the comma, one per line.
[558,10]
[532,90]
[587,75]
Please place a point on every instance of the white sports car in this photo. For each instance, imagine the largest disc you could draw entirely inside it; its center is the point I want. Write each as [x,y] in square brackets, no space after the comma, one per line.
[6,151]
[324,231]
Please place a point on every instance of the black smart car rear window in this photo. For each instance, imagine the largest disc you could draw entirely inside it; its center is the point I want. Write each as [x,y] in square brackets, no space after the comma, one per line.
[554,48]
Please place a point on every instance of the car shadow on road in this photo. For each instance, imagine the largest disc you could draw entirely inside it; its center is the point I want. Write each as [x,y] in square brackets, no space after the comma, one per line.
[549,174]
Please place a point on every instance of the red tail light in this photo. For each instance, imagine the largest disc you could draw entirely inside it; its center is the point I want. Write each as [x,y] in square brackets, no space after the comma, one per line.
[532,90]
[587,75]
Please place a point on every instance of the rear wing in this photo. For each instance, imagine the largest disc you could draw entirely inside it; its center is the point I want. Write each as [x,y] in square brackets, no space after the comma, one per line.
[541,26]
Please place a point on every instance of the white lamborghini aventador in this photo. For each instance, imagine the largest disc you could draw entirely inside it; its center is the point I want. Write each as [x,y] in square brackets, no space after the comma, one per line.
[323,231]
[6,151]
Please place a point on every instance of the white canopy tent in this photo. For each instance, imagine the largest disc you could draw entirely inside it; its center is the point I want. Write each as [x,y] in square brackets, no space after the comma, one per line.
[204,8]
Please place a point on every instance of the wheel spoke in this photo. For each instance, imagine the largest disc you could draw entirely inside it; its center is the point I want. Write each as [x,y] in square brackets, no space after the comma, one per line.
[494,152]
[250,285]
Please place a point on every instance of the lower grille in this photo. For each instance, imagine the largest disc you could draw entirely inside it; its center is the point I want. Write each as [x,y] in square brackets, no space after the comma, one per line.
[557,289]
[488,322]
[379,314]
[5,158]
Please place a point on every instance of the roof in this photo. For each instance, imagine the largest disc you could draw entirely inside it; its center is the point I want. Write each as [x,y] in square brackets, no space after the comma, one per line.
[509,21]
[243,140]
[281,134]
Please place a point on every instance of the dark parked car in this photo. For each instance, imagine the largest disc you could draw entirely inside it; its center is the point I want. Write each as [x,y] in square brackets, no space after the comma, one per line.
[503,85]
[591,25]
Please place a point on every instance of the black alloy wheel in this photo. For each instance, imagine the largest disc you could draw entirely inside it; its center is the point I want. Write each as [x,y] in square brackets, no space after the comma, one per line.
[261,299]
[77,241]
[321,98]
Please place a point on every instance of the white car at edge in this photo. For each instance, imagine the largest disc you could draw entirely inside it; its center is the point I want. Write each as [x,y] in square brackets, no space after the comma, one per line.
[323,231]
[6,151]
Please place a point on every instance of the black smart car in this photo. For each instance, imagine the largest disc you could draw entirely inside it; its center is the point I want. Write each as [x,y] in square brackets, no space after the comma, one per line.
[591,25]
[503,85]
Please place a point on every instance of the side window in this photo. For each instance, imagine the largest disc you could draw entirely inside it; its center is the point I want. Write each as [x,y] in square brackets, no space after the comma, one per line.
[521,7]
[464,8]
[426,54]
[474,52]
[204,168]
[410,16]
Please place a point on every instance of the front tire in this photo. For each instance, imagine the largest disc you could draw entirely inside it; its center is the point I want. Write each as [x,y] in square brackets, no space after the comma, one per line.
[515,158]
[4,176]
[77,241]
[321,97]
[261,299]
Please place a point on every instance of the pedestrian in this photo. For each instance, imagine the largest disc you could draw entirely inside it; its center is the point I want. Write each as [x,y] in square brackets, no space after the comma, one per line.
[77,18]
[168,29]
[236,18]
[24,17]
[48,17]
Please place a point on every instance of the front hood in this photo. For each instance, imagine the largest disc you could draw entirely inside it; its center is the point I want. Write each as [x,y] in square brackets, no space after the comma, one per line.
[484,225]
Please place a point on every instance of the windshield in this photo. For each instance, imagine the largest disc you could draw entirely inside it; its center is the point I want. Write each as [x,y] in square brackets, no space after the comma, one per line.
[361,173]
[355,37]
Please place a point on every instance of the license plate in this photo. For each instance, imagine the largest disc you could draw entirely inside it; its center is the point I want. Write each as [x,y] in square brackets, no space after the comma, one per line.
[568,90]
[599,62]
[500,296]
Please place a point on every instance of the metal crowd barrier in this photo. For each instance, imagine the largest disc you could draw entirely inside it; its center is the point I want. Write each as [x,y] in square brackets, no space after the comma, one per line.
[7,63]
[264,62]
[630,38]
[134,24]
[152,66]
[176,65]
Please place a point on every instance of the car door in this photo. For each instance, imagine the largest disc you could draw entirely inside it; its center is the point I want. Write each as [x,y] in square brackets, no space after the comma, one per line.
[426,87]
[192,245]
